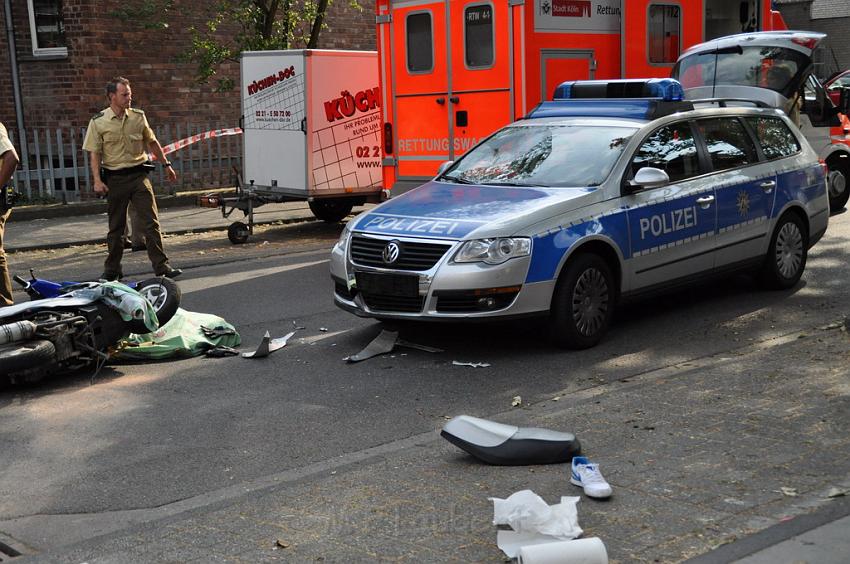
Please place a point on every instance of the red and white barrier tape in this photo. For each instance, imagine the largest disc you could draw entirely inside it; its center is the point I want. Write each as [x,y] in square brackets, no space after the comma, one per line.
[171,147]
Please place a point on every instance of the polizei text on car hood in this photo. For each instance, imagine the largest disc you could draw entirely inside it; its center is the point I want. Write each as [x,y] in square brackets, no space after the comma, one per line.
[457,211]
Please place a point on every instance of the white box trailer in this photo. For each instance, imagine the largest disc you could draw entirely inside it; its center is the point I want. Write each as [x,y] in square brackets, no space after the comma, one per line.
[311,122]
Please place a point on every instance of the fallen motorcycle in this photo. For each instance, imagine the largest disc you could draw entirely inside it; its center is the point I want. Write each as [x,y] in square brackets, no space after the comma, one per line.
[162,293]
[74,330]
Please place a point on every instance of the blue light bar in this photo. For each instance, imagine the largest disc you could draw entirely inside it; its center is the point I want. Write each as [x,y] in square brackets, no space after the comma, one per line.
[641,109]
[666,89]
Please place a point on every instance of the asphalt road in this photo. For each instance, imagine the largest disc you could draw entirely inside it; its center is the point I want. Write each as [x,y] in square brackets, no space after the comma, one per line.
[148,435]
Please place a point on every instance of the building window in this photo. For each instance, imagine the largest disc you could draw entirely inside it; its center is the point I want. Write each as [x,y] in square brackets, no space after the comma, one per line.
[664,32]
[478,31]
[47,28]
[420,43]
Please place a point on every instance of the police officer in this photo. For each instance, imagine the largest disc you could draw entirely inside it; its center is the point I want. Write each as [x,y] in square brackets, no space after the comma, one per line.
[8,164]
[117,139]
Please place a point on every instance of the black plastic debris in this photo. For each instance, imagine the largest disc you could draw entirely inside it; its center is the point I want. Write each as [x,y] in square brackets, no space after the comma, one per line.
[385,343]
[221,351]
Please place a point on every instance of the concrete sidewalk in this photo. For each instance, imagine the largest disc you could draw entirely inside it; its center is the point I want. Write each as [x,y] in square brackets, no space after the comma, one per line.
[56,232]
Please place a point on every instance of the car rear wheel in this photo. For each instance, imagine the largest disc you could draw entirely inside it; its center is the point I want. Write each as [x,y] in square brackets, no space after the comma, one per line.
[583,303]
[837,181]
[787,253]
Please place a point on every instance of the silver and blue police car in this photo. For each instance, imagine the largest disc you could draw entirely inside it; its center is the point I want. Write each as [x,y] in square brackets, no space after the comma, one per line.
[613,189]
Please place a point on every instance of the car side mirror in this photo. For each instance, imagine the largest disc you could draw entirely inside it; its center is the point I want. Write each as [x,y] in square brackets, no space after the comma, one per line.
[444,167]
[649,177]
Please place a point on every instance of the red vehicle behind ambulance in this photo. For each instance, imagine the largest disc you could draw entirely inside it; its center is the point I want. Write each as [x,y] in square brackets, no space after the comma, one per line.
[454,71]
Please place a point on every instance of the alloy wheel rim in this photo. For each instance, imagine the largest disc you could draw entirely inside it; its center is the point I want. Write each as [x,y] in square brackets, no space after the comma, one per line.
[156,295]
[789,250]
[590,302]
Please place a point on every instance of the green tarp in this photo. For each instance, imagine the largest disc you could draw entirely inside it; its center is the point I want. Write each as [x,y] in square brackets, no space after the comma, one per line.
[181,337]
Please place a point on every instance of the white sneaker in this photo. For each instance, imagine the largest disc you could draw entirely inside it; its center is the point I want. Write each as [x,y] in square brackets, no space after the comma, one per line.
[587,475]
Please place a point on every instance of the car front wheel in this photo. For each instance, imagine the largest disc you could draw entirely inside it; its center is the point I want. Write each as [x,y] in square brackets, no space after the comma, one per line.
[583,303]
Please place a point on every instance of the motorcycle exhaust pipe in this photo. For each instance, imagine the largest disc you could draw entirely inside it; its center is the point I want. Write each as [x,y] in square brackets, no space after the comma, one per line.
[17,331]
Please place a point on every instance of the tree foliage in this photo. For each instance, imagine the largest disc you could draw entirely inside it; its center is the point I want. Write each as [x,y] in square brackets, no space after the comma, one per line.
[259,25]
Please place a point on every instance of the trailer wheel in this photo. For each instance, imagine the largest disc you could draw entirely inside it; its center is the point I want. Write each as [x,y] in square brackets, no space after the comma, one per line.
[331,210]
[238,233]
[25,355]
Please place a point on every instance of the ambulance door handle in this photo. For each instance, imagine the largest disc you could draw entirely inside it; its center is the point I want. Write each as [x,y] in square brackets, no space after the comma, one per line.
[441,101]
[705,201]
[768,186]
[454,100]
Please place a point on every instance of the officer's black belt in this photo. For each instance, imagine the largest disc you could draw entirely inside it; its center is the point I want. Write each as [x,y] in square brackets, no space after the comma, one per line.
[138,169]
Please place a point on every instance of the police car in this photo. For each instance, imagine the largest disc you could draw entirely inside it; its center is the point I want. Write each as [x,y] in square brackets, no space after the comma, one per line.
[611,190]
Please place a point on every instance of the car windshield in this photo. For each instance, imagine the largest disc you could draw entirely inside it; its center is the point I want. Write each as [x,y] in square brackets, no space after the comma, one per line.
[774,68]
[543,155]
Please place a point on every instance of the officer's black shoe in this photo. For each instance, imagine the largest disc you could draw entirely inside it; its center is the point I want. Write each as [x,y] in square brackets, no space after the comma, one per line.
[127,244]
[110,276]
[141,247]
[171,273]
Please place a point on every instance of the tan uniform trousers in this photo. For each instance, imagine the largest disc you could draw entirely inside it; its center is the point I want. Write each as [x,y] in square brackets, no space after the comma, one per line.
[123,189]
[5,281]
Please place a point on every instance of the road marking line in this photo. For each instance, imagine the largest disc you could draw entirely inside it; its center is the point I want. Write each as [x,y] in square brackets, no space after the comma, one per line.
[207,282]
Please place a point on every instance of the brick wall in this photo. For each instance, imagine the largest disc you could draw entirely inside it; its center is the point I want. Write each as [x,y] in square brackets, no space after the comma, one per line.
[65,92]
[835,49]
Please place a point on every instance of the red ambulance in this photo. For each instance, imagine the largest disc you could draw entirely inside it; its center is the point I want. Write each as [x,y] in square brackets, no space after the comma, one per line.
[454,71]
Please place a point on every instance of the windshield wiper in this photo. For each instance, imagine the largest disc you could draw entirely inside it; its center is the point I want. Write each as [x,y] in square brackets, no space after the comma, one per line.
[513,184]
[456,179]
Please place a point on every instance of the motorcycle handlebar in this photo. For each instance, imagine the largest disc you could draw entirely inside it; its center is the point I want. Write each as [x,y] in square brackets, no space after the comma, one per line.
[20,281]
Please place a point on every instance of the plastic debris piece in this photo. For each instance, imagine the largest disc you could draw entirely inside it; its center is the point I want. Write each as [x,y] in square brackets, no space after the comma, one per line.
[790,492]
[280,543]
[408,344]
[323,329]
[262,349]
[219,331]
[297,327]
[837,492]
[382,344]
[516,401]
[472,364]
[221,351]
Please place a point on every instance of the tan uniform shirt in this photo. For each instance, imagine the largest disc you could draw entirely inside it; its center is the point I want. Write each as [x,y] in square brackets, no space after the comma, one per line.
[5,143]
[121,142]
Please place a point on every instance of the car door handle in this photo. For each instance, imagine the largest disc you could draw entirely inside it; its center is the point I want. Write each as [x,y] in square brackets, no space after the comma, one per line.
[441,101]
[454,100]
[705,201]
[768,186]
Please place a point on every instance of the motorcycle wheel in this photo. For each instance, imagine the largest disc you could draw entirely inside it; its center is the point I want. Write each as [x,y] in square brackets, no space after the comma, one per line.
[164,295]
[25,355]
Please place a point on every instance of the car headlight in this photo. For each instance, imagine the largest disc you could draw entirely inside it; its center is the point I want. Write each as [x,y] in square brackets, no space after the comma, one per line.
[494,251]
[342,243]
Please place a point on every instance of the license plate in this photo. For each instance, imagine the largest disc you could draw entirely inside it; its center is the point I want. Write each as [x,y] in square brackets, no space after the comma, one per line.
[402,285]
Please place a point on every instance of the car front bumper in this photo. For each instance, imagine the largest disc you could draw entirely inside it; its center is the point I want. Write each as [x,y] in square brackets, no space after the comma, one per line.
[445,291]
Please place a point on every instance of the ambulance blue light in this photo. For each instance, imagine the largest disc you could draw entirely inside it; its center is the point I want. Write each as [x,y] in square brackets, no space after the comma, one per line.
[666,89]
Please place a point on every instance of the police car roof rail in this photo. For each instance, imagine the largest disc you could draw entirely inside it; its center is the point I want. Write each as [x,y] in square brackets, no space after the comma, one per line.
[724,102]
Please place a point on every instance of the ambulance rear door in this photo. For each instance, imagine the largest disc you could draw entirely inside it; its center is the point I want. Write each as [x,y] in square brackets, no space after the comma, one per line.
[450,80]
[654,32]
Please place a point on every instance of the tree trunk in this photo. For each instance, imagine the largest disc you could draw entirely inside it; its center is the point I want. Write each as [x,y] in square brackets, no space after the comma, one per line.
[317,24]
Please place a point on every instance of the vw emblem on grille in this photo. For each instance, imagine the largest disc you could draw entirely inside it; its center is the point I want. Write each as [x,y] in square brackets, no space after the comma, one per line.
[391,252]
